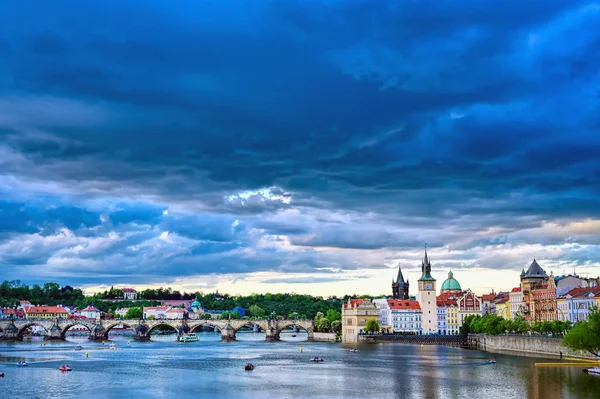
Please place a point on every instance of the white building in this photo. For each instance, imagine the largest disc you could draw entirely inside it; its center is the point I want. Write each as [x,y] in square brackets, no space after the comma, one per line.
[129,294]
[516,302]
[175,314]
[441,316]
[406,316]
[121,312]
[383,313]
[426,297]
[580,301]
[90,312]
[156,312]
[25,305]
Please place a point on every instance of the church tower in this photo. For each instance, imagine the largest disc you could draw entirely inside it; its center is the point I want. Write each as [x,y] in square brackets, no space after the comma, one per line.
[426,297]
[400,287]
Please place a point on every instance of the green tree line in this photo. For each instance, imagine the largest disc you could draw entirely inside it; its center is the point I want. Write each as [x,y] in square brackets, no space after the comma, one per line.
[492,324]
[256,305]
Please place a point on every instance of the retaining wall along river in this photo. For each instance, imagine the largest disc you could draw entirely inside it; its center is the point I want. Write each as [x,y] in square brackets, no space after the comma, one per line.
[543,346]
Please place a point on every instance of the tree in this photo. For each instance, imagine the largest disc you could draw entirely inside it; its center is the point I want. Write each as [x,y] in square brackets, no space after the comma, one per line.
[323,325]
[256,311]
[224,315]
[585,335]
[236,315]
[333,315]
[134,313]
[294,316]
[206,316]
[336,326]
[372,326]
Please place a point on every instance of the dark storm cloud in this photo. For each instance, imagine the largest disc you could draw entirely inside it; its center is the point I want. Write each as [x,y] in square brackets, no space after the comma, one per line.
[380,124]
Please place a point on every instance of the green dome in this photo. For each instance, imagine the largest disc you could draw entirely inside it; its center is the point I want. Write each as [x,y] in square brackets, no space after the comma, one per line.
[451,284]
[196,304]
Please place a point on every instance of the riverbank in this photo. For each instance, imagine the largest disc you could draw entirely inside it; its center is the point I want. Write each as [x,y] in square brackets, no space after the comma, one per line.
[523,344]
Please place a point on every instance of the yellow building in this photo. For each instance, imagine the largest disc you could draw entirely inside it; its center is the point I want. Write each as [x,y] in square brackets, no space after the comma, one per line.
[562,308]
[503,308]
[45,312]
[452,319]
[355,314]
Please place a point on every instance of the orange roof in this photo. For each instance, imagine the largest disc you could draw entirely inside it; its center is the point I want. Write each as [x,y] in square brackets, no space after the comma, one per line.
[46,310]
[175,311]
[488,297]
[155,308]
[403,304]
[90,309]
[516,289]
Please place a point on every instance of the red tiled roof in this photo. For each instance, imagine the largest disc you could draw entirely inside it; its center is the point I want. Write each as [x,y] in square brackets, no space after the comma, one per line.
[403,304]
[581,291]
[128,290]
[175,311]
[445,301]
[90,309]
[10,311]
[488,297]
[46,310]
[354,302]
[155,308]
[516,289]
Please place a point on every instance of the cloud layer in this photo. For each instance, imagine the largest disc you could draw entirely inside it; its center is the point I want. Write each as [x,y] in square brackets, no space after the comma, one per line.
[314,139]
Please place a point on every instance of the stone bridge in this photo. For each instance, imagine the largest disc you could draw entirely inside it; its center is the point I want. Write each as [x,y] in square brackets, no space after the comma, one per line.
[99,329]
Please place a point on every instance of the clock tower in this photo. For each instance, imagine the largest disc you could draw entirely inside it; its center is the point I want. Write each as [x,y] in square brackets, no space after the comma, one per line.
[426,297]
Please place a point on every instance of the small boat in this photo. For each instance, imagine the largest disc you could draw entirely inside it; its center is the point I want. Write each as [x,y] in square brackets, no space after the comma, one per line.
[317,360]
[113,347]
[353,350]
[249,367]
[491,361]
[188,337]
[593,370]
[294,335]
[22,364]
[65,367]
[1,375]
[78,348]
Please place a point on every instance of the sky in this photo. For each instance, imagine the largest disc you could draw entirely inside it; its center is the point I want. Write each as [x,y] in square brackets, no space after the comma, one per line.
[306,146]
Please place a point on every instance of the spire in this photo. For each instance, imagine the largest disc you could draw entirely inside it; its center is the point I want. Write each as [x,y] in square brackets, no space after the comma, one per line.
[426,267]
[400,277]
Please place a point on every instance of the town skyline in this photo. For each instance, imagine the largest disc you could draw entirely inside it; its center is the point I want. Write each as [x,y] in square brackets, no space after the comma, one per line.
[297,146]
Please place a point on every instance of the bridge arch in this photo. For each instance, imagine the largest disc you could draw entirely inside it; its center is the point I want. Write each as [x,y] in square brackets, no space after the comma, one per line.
[116,324]
[166,324]
[198,327]
[66,328]
[301,326]
[24,327]
[251,323]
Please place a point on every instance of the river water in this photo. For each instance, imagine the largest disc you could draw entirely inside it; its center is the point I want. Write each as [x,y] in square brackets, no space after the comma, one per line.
[209,368]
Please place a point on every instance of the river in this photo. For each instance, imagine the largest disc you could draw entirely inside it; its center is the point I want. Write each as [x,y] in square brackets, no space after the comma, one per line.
[209,368]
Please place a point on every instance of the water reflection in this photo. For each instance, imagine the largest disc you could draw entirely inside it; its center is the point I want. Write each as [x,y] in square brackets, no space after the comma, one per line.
[210,368]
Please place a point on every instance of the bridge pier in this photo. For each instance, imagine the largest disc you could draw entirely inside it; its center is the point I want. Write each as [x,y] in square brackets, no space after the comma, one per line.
[54,333]
[98,333]
[142,333]
[10,332]
[272,331]
[228,333]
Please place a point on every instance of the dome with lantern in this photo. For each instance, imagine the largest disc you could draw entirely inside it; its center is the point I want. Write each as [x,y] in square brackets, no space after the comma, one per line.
[451,284]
